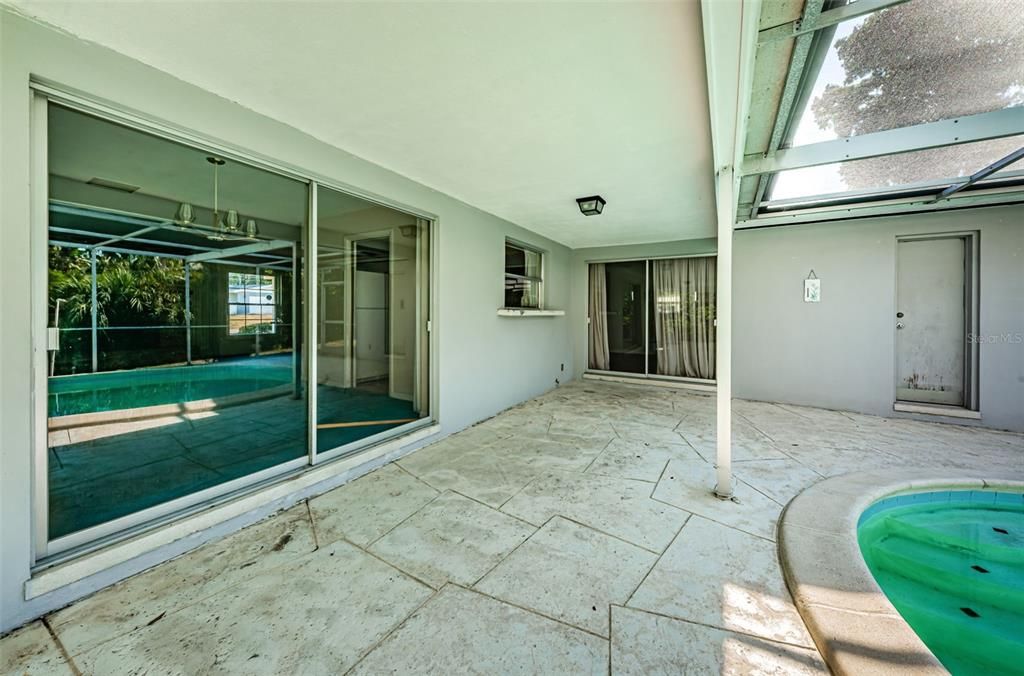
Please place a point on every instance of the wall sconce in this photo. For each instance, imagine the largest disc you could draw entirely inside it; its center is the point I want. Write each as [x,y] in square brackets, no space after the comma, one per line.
[591,206]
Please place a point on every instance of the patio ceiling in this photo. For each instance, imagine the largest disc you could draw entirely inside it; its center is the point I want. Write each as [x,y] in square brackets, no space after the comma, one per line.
[515,108]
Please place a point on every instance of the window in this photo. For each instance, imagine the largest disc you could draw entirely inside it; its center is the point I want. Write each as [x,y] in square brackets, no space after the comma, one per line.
[523,276]
[251,304]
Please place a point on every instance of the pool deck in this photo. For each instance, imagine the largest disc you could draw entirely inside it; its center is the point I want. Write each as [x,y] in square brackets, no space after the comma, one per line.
[573,533]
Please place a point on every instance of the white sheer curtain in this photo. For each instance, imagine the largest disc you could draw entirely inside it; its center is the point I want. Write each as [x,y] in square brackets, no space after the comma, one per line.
[597,310]
[684,306]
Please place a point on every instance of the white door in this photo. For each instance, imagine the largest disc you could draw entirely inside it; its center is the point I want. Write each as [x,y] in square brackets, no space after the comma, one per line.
[371,320]
[930,326]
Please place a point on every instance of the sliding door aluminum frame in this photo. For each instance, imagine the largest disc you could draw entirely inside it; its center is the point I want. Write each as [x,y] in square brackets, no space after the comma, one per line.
[646,375]
[47,553]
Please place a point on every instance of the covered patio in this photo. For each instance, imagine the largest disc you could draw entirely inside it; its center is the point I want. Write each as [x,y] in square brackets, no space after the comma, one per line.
[573,533]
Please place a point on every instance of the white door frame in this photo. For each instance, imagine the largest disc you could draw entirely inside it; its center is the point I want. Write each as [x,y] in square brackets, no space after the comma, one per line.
[351,243]
[972,286]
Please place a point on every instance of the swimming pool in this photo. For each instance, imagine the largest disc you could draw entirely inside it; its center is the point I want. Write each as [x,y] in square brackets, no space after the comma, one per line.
[118,390]
[952,563]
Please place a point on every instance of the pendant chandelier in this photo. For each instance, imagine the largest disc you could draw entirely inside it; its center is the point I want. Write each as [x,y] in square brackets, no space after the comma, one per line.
[226,226]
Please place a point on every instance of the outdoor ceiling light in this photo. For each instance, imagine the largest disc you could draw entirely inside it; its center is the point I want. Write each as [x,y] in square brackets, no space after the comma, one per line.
[591,206]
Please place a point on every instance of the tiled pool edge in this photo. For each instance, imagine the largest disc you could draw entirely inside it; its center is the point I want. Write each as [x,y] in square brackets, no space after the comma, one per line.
[853,623]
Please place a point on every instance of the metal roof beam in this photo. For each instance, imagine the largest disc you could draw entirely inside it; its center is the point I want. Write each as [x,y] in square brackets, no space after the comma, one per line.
[892,207]
[831,17]
[982,173]
[980,127]
[255,247]
[798,65]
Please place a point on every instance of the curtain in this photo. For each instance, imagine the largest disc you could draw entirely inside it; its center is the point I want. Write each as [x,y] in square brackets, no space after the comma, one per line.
[684,306]
[598,313]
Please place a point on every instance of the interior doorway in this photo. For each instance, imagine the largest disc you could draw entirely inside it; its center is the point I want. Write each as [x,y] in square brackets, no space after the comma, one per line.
[372,281]
[934,313]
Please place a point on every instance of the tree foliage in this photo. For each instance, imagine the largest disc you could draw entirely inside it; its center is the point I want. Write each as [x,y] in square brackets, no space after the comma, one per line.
[924,61]
[130,290]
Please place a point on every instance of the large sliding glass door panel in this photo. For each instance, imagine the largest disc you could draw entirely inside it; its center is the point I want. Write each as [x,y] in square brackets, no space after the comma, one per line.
[185,300]
[654,318]
[175,343]
[622,319]
[371,359]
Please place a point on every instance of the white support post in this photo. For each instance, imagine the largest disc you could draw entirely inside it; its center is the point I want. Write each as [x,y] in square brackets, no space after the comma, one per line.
[259,327]
[188,314]
[723,330]
[296,317]
[92,304]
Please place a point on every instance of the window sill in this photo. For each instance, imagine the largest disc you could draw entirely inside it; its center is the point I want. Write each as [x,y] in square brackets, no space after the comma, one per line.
[528,312]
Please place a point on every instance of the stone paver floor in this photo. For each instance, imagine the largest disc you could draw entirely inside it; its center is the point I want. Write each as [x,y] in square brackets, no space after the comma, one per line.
[574,533]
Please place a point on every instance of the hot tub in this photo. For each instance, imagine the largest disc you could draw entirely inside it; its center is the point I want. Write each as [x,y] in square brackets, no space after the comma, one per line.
[952,563]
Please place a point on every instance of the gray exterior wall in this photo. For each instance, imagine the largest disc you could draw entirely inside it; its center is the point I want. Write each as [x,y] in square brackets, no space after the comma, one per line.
[840,353]
[484,363]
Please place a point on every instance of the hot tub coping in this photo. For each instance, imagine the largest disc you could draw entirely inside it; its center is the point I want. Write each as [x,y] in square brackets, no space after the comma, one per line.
[854,625]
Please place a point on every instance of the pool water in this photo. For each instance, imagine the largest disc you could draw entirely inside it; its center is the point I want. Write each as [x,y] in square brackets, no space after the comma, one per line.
[117,390]
[952,563]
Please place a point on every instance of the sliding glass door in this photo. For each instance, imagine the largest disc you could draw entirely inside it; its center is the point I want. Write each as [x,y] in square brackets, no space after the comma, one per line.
[653,317]
[173,303]
[186,317]
[371,357]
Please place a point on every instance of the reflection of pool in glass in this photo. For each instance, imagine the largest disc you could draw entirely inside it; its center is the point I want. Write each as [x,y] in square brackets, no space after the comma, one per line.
[118,390]
[952,562]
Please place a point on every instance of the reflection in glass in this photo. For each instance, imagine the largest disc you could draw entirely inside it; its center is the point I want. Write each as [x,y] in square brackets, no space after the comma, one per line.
[372,312]
[522,276]
[622,319]
[175,367]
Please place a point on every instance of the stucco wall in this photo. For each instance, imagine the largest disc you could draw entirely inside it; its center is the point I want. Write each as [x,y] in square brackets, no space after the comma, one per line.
[840,353]
[484,363]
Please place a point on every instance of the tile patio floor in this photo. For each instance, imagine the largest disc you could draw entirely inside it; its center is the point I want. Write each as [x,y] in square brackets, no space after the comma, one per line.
[574,533]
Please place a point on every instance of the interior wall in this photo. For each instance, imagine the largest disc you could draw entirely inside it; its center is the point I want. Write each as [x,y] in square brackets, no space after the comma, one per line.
[840,353]
[482,364]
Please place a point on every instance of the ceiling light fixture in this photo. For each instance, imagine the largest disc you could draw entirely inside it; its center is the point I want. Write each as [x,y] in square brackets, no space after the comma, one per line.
[591,206]
[228,226]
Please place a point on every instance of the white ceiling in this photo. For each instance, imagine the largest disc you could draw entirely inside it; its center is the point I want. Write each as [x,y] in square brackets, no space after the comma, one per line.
[517,108]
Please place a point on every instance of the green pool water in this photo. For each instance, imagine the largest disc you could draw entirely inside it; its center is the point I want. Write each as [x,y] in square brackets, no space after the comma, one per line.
[117,390]
[952,563]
